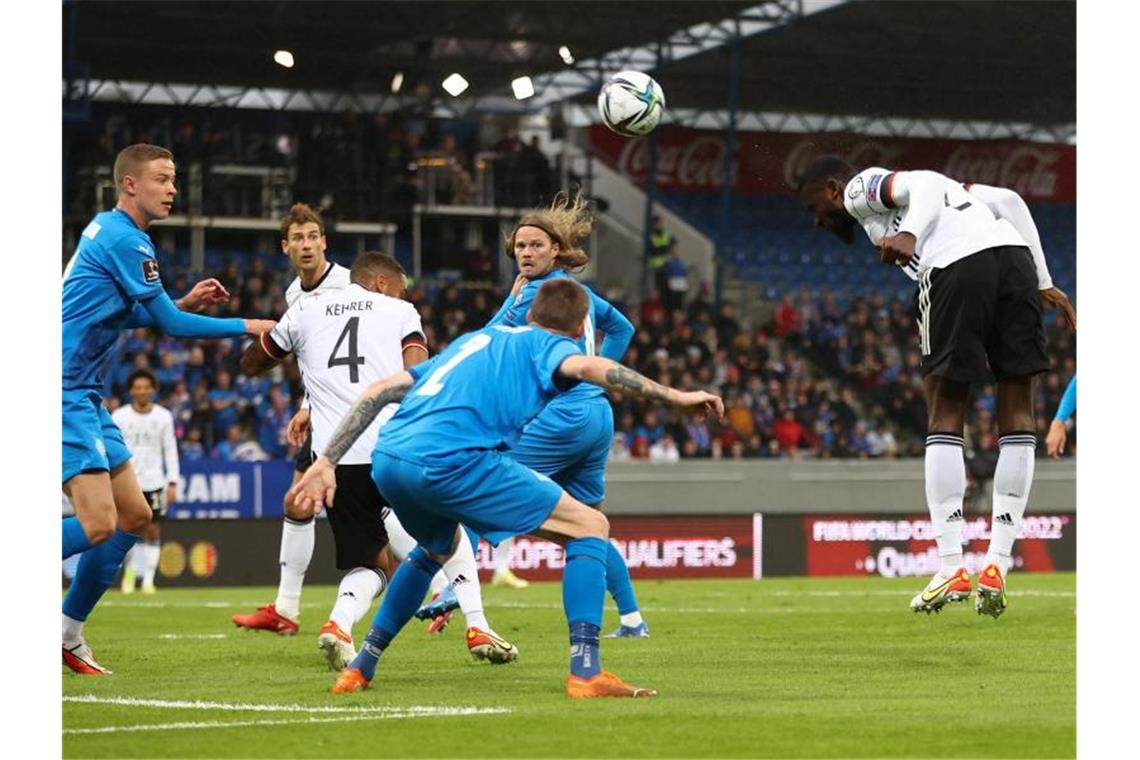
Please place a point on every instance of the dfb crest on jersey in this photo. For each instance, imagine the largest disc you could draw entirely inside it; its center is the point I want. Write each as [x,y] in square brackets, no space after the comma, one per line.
[855,189]
[150,270]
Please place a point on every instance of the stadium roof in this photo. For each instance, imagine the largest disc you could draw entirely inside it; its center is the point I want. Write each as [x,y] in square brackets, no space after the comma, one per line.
[949,59]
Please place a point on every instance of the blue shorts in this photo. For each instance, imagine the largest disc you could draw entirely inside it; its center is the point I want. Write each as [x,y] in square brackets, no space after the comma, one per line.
[91,439]
[570,443]
[487,491]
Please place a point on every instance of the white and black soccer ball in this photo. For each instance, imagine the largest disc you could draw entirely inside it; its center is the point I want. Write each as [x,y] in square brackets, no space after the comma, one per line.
[631,103]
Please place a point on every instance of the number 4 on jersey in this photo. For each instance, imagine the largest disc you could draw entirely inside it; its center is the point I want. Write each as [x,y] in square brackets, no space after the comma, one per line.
[353,360]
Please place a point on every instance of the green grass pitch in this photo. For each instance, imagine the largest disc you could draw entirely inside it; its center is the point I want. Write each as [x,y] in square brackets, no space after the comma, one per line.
[772,668]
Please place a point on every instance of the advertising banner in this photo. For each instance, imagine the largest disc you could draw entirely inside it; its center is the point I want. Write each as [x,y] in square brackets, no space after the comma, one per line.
[895,546]
[214,490]
[225,552]
[770,162]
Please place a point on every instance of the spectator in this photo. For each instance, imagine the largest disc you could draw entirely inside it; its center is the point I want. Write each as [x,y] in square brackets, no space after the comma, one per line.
[665,450]
[660,243]
[676,279]
[788,431]
[191,448]
[619,451]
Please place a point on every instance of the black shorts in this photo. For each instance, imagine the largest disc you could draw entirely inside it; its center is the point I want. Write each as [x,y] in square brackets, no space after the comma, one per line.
[157,501]
[981,317]
[357,517]
[304,458]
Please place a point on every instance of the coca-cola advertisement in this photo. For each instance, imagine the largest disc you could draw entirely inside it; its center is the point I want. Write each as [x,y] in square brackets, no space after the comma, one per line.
[770,162]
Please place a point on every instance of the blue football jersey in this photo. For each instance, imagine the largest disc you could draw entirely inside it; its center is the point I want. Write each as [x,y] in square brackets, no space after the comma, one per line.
[114,268]
[477,394]
[601,316]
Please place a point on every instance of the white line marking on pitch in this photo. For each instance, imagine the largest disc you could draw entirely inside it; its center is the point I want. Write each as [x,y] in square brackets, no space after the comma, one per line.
[180,636]
[393,715]
[182,704]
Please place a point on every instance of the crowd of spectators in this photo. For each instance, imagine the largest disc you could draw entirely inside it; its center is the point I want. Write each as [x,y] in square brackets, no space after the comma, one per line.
[826,377]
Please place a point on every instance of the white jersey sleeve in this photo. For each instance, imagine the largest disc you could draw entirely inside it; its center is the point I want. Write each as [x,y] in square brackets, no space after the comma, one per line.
[1007,204]
[947,222]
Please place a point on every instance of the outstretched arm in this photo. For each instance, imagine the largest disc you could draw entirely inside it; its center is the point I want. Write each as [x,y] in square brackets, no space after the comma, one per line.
[616,377]
[183,325]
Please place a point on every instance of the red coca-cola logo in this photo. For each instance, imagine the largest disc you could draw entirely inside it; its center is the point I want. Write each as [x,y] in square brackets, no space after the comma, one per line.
[1027,169]
[698,163]
[862,155]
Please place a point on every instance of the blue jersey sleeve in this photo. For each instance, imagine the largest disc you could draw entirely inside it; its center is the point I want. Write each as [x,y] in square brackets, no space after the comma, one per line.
[1068,402]
[514,309]
[131,262]
[549,357]
[423,368]
[618,329]
[139,317]
[180,324]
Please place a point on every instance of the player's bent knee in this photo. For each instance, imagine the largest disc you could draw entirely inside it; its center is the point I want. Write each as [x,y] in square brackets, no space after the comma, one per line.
[98,528]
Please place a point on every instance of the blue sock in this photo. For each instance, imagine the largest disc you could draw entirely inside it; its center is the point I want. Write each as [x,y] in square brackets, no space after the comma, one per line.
[404,596]
[474,538]
[618,582]
[95,574]
[74,537]
[583,595]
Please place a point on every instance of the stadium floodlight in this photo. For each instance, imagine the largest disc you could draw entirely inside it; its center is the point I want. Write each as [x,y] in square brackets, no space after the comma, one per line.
[455,85]
[566,57]
[397,82]
[284,58]
[522,87]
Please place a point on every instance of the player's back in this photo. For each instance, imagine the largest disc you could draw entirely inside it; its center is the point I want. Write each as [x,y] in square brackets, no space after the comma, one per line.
[346,339]
[961,227]
[113,268]
[478,394]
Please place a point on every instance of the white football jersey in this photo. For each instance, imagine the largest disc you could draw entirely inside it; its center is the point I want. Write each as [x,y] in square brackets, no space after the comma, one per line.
[150,439]
[344,340]
[948,223]
[335,277]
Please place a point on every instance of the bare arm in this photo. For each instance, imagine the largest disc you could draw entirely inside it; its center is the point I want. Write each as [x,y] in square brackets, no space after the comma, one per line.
[616,377]
[360,416]
[256,360]
[317,487]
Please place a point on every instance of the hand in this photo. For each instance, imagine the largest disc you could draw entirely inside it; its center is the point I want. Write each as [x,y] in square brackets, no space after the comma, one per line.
[520,281]
[897,249]
[255,327]
[1055,439]
[298,428]
[1055,298]
[171,493]
[203,295]
[700,404]
[316,488]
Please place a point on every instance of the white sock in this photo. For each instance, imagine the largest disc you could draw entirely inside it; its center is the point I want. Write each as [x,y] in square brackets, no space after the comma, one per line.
[358,588]
[632,619]
[502,556]
[137,559]
[72,631]
[151,554]
[945,488]
[399,540]
[297,541]
[1012,480]
[464,575]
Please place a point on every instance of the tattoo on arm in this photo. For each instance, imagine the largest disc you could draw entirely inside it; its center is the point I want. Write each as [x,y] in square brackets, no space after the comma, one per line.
[358,419]
[624,379]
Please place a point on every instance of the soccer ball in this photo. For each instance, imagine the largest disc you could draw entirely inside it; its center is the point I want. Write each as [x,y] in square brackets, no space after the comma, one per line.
[631,103]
